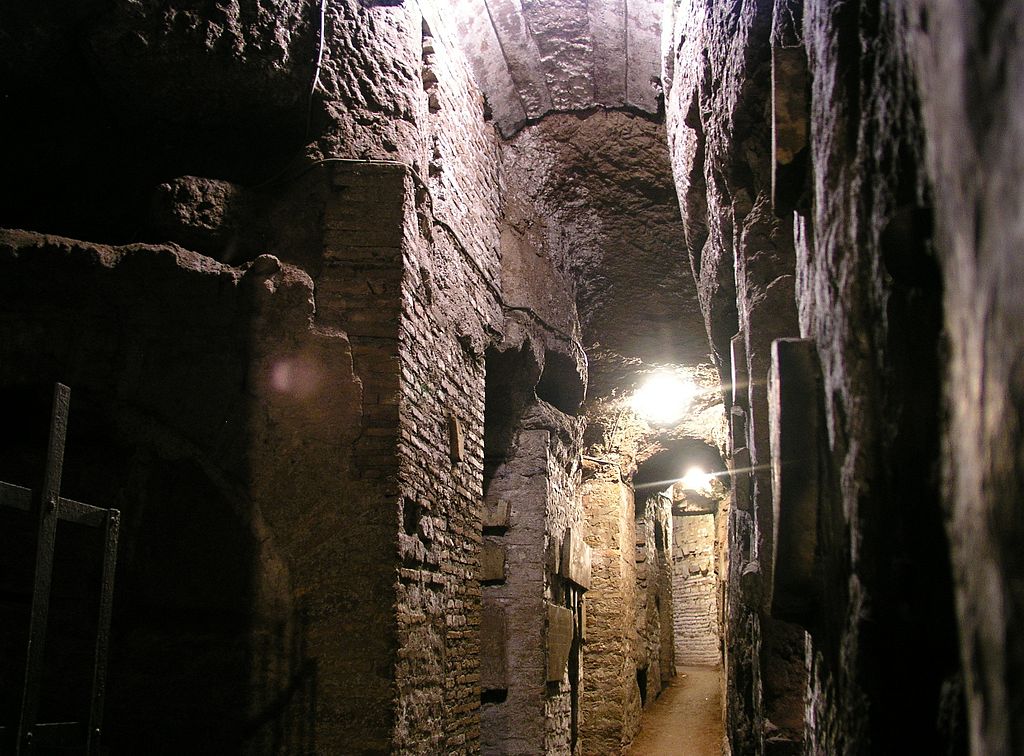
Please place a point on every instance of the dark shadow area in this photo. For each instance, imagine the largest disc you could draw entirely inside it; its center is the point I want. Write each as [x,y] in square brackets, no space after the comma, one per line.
[560,383]
[196,664]
[510,379]
[911,651]
[86,141]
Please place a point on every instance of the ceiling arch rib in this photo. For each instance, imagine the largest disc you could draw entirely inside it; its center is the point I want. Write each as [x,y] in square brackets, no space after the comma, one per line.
[532,57]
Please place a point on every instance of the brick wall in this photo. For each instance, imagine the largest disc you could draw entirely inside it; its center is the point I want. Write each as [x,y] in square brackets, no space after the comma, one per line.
[695,584]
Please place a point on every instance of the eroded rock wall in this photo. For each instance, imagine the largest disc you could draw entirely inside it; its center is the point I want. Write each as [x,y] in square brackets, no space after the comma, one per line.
[718,73]
[806,125]
[967,65]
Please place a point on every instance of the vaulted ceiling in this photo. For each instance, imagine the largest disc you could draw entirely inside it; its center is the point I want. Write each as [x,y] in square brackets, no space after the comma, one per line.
[533,57]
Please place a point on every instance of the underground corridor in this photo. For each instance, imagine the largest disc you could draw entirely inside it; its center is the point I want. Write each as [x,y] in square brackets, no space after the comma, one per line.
[570,377]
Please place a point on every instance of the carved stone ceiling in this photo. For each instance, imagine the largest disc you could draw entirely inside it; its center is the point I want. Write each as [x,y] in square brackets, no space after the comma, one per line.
[533,57]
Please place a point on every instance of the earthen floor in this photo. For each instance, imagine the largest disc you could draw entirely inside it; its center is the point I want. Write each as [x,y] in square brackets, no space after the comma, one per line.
[686,720]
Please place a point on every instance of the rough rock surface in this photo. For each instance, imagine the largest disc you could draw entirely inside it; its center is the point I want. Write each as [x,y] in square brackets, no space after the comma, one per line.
[841,252]
[533,57]
[610,227]
[967,61]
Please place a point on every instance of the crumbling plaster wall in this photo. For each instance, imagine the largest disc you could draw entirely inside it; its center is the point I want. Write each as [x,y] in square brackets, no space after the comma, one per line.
[842,251]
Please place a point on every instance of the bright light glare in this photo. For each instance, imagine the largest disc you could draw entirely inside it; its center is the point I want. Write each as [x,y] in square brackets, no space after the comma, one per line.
[696,479]
[664,398]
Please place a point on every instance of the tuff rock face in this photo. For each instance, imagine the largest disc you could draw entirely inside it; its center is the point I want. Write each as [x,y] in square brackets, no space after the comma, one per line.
[821,191]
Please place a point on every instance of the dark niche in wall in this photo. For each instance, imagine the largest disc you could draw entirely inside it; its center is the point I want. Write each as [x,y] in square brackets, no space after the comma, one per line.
[203,649]
[510,379]
[560,384]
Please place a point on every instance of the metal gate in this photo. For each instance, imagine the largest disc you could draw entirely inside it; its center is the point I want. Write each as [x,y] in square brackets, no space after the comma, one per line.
[48,507]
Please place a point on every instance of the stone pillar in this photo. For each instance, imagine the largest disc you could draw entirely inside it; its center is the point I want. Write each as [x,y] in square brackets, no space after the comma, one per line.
[512,717]
[611,698]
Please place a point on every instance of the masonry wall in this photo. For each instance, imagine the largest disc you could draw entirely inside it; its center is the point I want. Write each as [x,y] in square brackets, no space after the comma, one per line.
[695,590]
[611,698]
[515,721]
[655,651]
[402,253]
[564,520]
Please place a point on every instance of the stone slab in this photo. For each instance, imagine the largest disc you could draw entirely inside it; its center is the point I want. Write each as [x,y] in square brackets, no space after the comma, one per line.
[576,559]
[497,514]
[492,563]
[493,651]
[795,423]
[456,440]
[560,635]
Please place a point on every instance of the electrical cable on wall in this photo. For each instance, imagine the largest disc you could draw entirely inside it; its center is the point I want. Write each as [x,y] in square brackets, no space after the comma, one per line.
[319,66]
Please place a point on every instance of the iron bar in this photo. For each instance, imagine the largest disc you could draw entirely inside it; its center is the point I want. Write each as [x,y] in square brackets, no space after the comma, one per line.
[48,510]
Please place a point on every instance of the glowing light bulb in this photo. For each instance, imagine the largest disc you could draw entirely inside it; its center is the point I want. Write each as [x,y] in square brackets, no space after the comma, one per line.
[696,479]
[664,398]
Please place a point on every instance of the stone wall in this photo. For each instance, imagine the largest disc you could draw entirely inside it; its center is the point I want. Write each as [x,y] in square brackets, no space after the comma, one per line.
[802,126]
[214,408]
[513,720]
[695,590]
[402,254]
[967,66]
[654,608]
[611,697]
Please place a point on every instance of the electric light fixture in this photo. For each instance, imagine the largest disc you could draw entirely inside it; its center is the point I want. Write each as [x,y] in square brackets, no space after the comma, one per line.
[664,398]
[696,479]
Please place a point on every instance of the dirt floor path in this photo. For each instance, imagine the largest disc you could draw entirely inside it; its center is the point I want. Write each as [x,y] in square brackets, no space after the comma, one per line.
[686,720]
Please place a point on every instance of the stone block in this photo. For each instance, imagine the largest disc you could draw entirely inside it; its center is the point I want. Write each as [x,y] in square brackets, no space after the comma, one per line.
[795,418]
[790,125]
[456,440]
[738,361]
[576,559]
[493,652]
[497,514]
[492,563]
[560,635]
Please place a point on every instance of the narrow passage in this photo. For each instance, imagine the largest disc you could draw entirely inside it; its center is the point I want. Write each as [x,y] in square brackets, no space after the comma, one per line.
[686,720]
